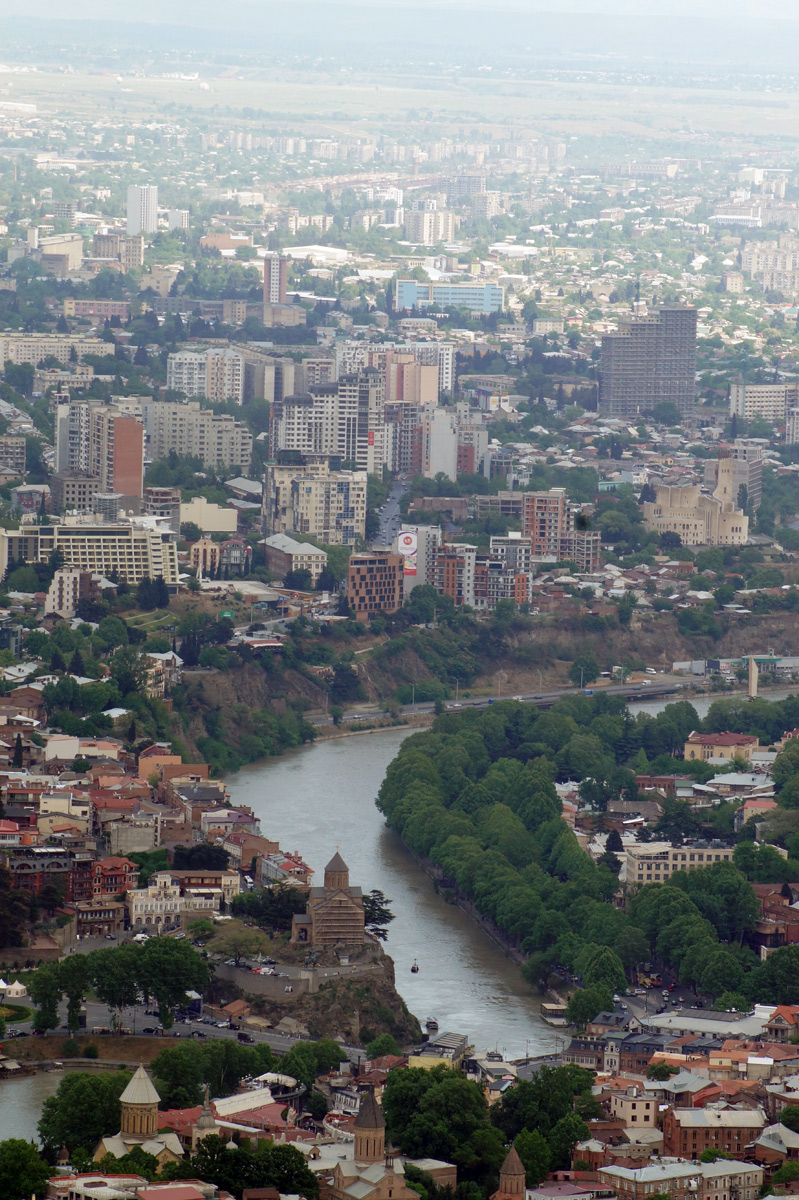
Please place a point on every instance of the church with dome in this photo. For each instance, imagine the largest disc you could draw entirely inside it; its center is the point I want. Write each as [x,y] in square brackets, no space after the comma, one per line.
[371,1173]
[139,1121]
[334,915]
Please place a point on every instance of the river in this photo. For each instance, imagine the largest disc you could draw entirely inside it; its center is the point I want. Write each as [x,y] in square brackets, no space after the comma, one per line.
[21,1101]
[321,798]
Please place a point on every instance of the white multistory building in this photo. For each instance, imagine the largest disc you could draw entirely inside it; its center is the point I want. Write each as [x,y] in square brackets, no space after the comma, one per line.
[142,211]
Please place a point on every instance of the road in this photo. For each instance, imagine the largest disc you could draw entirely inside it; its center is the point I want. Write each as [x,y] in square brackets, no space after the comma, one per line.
[390,515]
[634,691]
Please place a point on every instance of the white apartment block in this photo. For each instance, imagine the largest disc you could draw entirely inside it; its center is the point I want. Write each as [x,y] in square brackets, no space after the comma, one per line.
[134,550]
[33,347]
[767,400]
[142,210]
[354,356]
[328,505]
[215,374]
[344,420]
[192,431]
[430,228]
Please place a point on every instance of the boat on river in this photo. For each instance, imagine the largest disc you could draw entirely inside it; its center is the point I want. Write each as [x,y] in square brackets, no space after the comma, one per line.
[415,968]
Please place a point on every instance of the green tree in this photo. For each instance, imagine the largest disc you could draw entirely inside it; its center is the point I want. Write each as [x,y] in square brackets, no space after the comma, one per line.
[789,1117]
[386,1043]
[533,1149]
[45,991]
[564,1137]
[23,1171]
[584,669]
[83,1109]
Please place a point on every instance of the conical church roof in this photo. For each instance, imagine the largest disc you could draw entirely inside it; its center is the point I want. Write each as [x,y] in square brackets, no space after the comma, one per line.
[512,1165]
[370,1114]
[140,1090]
[337,863]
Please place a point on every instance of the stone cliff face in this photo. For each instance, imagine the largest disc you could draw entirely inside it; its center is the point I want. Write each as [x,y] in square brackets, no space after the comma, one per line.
[354,1010]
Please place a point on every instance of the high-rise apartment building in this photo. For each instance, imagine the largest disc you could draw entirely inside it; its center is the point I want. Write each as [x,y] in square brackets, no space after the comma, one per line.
[127,251]
[142,210]
[96,441]
[310,498]
[453,572]
[276,274]
[548,523]
[116,452]
[770,401]
[189,430]
[343,420]
[649,360]
[429,228]
[216,374]
[33,347]
[352,356]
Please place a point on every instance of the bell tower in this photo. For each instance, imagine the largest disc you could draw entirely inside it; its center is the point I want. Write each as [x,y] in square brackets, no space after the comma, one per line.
[370,1131]
[337,874]
[139,1107]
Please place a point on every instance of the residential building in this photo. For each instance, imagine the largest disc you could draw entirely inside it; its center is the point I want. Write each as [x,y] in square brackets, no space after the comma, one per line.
[687,1132]
[548,523]
[318,504]
[330,508]
[163,503]
[335,912]
[634,1108]
[208,517]
[284,555]
[142,212]
[792,426]
[476,297]
[164,903]
[276,273]
[770,401]
[726,1179]
[70,585]
[216,374]
[73,491]
[116,453]
[699,519]
[704,746]
[454,572]
[375,583]
[656,862]
[649,360]
[177,218]
[343,420]
[96,310]
[33,347]
[417,544]
[12,455]
[124,252]
[191,431]
[429,228]
[131,550]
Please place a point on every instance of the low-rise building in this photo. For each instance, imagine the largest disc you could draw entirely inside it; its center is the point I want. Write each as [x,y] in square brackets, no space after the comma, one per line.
[283,556]
[655,862]
[689,1131]
[704,746]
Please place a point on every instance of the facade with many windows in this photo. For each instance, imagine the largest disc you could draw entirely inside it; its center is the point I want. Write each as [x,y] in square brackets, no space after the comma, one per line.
[656,862]
[132,551]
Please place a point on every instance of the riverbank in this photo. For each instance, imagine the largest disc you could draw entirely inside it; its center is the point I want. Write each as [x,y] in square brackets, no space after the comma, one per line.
[322,797]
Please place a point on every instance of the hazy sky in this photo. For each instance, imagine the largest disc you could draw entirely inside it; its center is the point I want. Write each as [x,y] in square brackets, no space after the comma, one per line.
[256,10]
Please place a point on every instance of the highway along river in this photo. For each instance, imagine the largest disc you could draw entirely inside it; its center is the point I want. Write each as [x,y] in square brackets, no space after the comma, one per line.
[322,797]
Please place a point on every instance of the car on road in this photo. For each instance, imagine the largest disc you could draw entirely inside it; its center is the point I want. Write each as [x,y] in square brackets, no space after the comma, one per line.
[151,1030]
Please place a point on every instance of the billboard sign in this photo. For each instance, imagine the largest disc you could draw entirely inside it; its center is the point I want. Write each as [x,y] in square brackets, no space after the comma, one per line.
[408,545]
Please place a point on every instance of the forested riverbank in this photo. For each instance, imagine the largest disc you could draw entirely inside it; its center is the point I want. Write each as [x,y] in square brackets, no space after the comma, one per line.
[475,796]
